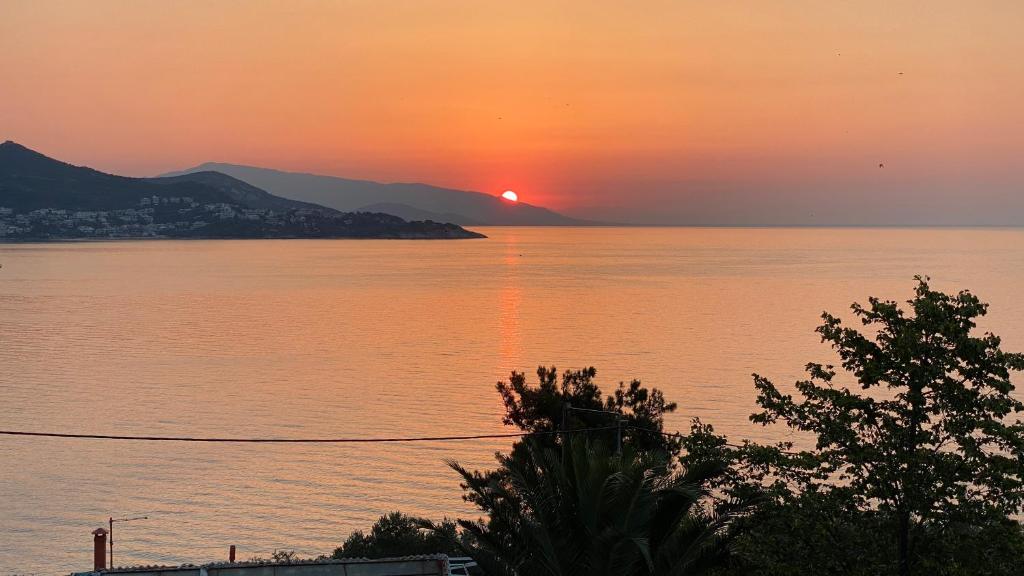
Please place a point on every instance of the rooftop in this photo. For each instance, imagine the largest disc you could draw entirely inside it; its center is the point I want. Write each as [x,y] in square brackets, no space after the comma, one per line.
[428,565]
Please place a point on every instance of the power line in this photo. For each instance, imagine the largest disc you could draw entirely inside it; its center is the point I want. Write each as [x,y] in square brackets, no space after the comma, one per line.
[336,440]
[287,440]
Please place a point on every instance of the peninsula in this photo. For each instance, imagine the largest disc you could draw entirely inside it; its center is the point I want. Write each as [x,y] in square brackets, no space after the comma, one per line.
[45,199]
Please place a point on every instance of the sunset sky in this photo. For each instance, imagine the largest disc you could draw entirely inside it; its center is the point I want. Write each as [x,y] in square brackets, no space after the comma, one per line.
[676,112]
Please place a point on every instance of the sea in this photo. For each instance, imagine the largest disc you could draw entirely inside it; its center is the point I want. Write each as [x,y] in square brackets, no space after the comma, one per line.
[391,338]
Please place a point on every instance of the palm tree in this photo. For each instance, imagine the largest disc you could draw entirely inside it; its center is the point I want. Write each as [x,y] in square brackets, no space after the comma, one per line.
[583,510]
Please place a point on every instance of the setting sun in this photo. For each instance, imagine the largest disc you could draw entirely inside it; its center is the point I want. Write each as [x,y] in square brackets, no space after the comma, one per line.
[333,189]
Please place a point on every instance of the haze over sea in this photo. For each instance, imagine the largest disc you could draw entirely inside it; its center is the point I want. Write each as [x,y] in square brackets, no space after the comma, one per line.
[341,338]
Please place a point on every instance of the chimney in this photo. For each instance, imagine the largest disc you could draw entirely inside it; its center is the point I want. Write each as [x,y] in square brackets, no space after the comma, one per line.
[99,550]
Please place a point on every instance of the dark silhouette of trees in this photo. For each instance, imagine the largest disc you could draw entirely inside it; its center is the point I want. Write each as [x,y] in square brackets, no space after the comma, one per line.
[587,510]
[914,440]
[907,459]
[397,534]
[544,408]
[566,501]
[576,402]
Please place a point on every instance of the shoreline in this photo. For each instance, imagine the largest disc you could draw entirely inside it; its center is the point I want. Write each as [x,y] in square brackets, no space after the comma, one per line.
[170,238]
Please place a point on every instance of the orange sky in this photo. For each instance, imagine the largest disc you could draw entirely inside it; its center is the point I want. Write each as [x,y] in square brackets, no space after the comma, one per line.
[678,110]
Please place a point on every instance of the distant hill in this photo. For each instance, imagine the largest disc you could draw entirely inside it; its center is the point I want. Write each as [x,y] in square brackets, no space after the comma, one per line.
[240,192]
[457,206]
[30,181]
[410,213]
[42,198]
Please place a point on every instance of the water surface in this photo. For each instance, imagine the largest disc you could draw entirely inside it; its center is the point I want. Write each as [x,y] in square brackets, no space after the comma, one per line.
[300,338]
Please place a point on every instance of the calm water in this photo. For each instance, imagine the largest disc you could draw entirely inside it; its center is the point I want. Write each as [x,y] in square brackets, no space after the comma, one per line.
[384,338]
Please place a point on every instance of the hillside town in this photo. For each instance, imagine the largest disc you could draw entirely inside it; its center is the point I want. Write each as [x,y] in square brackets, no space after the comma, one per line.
[154,217]
[183,217]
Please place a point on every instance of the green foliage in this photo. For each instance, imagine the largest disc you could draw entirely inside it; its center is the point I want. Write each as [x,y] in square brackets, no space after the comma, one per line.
[585,510]
[816,533]
[916,466]
[811,534]
[995,548]
[924,447]
[532,409]
[397,534]
[542,408]
[562,504]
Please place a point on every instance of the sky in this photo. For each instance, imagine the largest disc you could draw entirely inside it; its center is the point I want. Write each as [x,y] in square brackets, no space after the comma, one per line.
[722,113]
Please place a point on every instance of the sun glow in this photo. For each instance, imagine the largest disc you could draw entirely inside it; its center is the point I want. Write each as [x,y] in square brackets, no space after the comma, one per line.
[510,196]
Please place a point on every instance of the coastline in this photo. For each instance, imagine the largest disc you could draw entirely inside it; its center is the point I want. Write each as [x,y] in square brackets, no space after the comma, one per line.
[172,238]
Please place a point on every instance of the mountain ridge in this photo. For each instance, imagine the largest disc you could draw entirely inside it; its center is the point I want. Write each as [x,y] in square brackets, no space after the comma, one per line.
[412,213]
[31,180]
[42,198]
[466,207]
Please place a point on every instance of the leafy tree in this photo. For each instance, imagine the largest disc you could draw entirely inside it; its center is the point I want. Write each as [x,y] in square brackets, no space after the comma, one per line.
[927,442]
[533,409]
[816,533]
[585,510]
[546,408]
[995,548]
[542,409]
[397,534]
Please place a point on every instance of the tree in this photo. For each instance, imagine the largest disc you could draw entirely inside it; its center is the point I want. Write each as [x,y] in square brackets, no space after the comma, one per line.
[544,408]
[927,440]
[397,534]
[586,510]
[815,533]
[533,409]
[631,417]
[541,409]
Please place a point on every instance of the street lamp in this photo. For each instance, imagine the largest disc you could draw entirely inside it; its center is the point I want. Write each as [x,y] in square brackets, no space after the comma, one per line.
[112,520]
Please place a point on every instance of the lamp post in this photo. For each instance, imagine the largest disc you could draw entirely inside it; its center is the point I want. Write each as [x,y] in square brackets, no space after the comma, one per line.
[112,520]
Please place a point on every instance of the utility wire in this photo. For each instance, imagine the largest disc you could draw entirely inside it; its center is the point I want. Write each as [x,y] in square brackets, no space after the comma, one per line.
[398,439]
[289,440]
